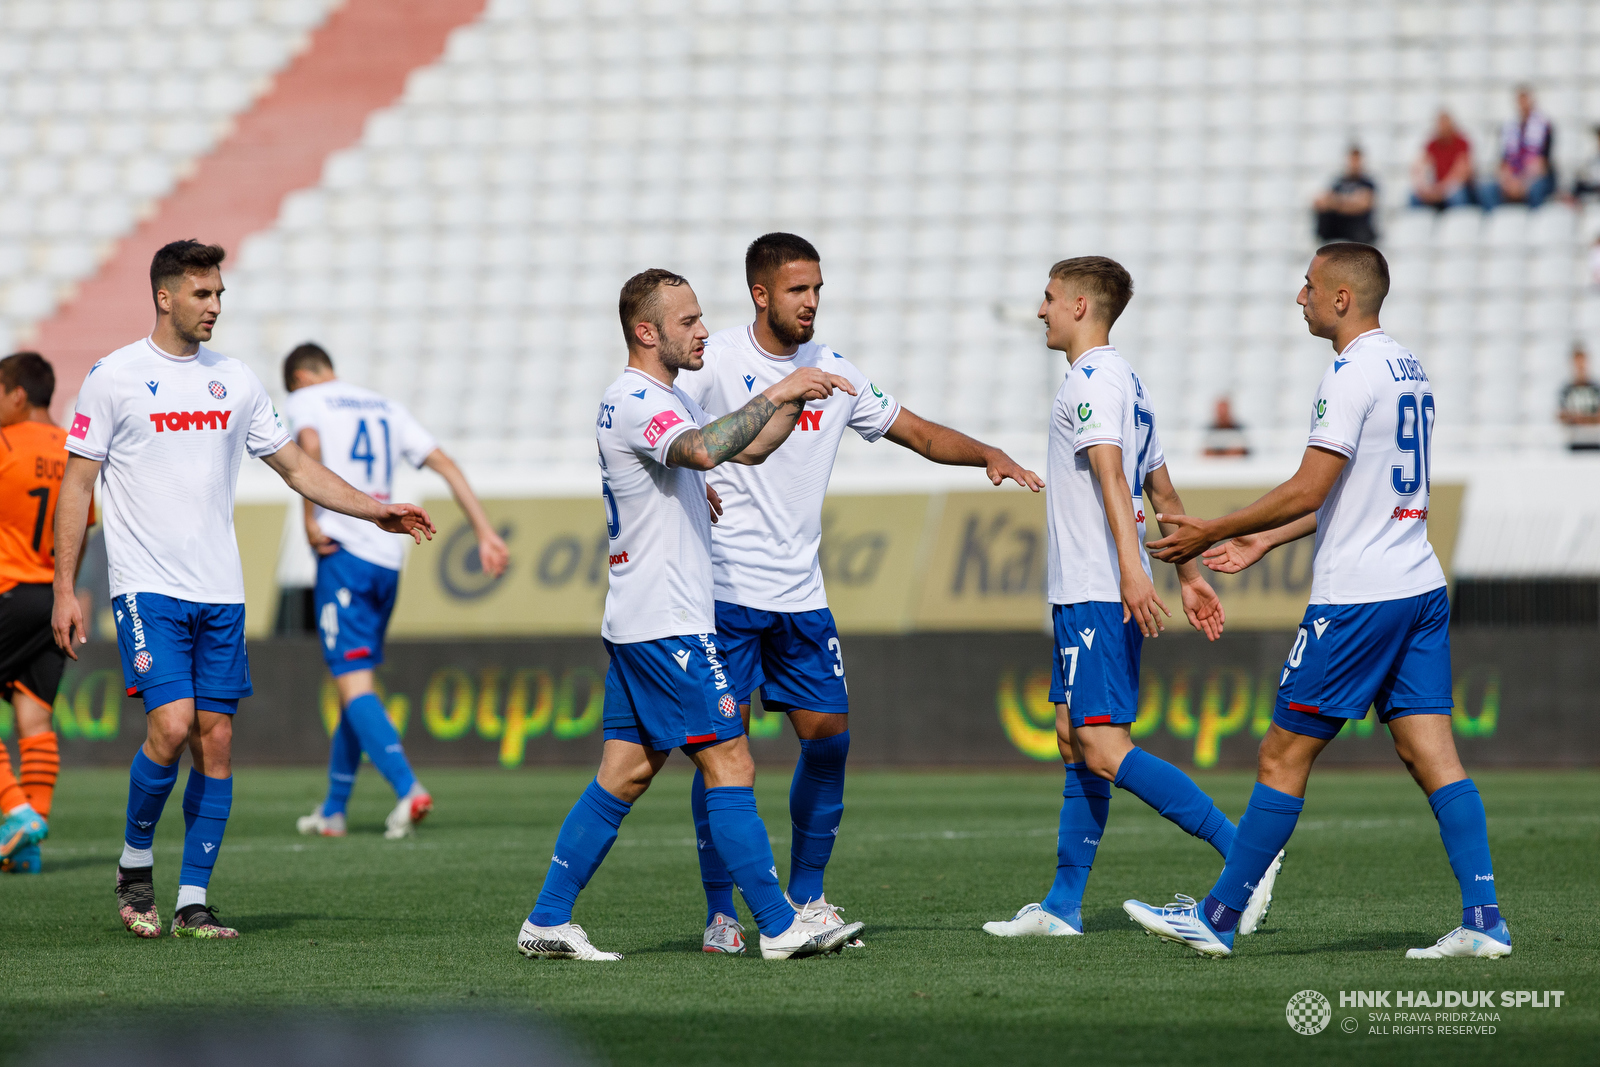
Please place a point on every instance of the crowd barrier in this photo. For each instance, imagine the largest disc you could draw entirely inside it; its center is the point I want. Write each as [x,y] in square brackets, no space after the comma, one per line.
[1522,698]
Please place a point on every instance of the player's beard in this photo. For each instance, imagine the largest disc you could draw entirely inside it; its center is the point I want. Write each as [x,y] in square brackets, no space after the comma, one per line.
[680,356]
[790,333]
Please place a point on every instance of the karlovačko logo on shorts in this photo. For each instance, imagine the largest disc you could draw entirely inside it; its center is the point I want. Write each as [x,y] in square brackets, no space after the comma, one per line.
[1308,1012]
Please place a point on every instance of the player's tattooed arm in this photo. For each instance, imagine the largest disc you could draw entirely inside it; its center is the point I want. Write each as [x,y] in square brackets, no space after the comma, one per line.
[723,439]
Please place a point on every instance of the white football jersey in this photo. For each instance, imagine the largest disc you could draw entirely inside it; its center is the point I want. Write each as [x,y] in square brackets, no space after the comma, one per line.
[764,548]
[656,516]
[362,435]
[1101,402]
[170,433]
[1375,406]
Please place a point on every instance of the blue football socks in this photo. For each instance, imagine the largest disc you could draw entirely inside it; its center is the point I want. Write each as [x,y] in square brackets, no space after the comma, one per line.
[149,784]
[1264,830]
[1085,803]
[1465,831]
[586,836]
[816,804]
[1174,794]
[713,872]
[206,804]
[380,742]
[344,760]
[741,839]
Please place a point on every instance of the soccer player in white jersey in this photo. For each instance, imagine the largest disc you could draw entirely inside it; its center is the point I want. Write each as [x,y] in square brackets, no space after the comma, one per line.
[667,686]
[1377,629]
[1104,455]
[164,424]
[359,435]
[774,628]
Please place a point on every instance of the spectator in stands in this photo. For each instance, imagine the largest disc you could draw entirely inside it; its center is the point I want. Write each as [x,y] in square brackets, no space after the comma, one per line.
[1587,184]
[1225,436]
[1344,212]
[1580,405]
[1527,174]
[1442,175]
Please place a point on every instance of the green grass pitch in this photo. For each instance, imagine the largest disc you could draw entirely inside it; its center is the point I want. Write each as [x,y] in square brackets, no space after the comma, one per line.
[923,860]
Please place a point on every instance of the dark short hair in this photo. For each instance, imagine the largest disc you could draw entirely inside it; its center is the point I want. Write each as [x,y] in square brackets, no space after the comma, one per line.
[306,356]
[1362,268]
[182,257]
[641,298]
[771,251]
[1105,280]
[31,371]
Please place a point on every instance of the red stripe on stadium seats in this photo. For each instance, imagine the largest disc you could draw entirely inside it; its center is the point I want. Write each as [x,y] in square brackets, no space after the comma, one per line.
[355,63]
[1096,720]
[700,739]
[1309,709]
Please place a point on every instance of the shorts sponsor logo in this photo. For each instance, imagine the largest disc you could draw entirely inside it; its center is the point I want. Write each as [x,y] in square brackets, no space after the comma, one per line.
[1409,513]
[663,421]
[190,420]
[218,390]
[131,601]
[80,427]
[718,675]
[1308,1012]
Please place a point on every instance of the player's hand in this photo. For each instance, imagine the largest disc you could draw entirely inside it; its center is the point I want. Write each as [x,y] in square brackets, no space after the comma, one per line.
[1002,466]
[493,555]
[808,383]
[1233,556]
[1141,604]
[1202,607]
[1191,538]
[66,622]
[406,519]
[320,542]
[716,503]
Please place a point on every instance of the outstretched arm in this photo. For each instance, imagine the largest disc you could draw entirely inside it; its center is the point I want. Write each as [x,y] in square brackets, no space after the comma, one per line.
[722,439]
[944,445]
[493,555]
[310,442]
[1237,553]
[1296,498]
[320,485]
[1201,605]
[72,524]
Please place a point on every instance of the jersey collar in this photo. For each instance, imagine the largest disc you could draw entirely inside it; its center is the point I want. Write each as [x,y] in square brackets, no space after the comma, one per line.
[168,356]
[653,381]
[750,332]
[1089,352]
[1358,338]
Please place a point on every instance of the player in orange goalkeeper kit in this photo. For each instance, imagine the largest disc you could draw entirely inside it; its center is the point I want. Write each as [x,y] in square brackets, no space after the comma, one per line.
[32,458]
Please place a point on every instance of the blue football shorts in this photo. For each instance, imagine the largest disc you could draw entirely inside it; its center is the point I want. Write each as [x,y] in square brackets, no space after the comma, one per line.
[793,657]
[174,649]
[1095,671]
[354,600]
[670,692]
[1393,655]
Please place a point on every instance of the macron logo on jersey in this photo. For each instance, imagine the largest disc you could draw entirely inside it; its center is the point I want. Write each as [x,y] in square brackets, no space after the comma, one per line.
[664,421]
[191,420]
[80,427]
[749,383]
[639,394]
[152,386]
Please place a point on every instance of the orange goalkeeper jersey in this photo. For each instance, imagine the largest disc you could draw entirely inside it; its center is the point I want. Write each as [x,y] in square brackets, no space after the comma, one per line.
[33,457]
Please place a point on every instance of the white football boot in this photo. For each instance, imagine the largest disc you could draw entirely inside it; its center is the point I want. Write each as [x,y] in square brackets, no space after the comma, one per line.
[1181,923]
[822,910]
[1260,899]
[1031,921]
[412,809]
[318,824]
[564,942]
[724,935]
[808,937]
[1484,944]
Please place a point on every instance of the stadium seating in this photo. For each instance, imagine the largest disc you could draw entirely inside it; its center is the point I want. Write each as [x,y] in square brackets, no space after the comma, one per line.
[465,255]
